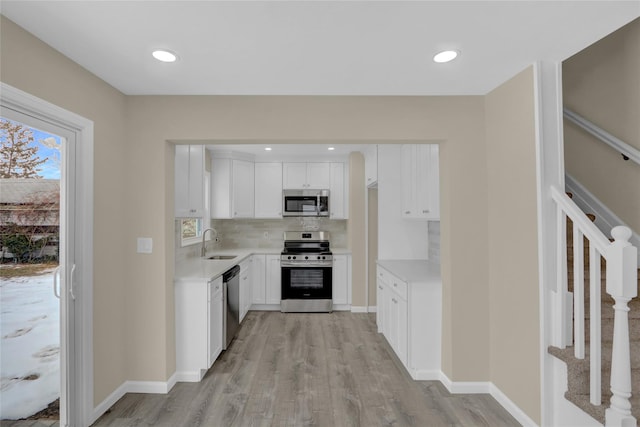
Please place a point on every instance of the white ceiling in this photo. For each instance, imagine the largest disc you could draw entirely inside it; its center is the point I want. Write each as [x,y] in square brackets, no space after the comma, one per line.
[316,47]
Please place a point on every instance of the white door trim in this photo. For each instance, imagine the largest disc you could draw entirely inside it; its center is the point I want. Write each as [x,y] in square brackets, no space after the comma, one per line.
[21,101]
[550,171]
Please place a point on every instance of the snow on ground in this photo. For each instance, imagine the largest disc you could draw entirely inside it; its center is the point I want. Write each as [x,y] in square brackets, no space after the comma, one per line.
[29,345]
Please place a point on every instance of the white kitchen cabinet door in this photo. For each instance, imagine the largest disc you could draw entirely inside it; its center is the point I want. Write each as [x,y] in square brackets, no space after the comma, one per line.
[245,287]
[242,189]
[294,175]
[336,192]
[215,320]
[189,181]
[258,273]
[340,279]
[371,165]
[273,279]
[318,175]
[232,192]
[268,190]
[399,326]
[380,298]
[420,181]
[303,176]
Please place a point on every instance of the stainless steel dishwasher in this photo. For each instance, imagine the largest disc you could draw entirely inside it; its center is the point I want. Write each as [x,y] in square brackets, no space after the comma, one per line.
[231,289]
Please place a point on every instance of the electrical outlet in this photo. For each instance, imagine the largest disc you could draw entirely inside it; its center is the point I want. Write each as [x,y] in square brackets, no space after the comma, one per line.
[266,234]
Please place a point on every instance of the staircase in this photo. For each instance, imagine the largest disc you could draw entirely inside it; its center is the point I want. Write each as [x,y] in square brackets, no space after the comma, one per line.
[578,370]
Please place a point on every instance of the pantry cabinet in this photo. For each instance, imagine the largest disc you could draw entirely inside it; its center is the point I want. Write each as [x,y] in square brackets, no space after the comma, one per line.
[232,188]
[302,176]
[268,190]
[189,181]
[420,187]
[199,326]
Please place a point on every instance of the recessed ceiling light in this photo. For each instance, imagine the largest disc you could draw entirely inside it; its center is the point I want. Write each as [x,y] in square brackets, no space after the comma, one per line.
[164,55]
[267,148]
[445,56]
[331,148]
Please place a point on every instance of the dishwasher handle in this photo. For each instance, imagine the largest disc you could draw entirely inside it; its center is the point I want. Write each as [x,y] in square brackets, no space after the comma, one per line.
[231,273]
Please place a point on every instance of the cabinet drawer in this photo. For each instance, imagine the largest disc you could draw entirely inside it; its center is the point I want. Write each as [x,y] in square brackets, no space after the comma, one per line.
[399,286]
[393,282]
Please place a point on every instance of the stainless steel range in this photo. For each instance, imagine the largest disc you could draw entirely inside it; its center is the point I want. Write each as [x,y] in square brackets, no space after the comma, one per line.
[307,264]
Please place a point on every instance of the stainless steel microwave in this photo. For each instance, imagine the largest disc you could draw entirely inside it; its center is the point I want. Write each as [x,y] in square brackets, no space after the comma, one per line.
[305,203]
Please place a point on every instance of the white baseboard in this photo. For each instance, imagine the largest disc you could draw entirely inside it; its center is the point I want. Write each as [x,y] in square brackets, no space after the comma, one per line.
[359,309]
[372,309]
[108,402]
[153,387]
[606,219]
[511,407]
[425,374]
[487,387]
[189,376]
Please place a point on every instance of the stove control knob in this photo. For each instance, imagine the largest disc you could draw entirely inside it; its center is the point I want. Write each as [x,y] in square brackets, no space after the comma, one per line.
[294,257]
[319,257]
[306,257]
[324,257]
[289,257]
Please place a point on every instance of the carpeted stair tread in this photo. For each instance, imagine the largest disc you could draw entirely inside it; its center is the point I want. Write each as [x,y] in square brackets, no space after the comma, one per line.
[579,388]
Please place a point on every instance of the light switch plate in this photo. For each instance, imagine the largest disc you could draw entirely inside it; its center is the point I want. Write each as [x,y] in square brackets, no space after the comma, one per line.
[145,245]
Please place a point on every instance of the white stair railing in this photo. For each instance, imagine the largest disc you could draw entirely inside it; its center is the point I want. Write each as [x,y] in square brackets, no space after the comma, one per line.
[621,284]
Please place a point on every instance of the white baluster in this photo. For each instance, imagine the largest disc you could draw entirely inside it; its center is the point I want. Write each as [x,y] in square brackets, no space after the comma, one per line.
[595,331]
[622,277]
[578,291]
[563,314]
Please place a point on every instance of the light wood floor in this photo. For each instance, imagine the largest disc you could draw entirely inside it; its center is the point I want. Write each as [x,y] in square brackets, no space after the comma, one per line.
[307,370]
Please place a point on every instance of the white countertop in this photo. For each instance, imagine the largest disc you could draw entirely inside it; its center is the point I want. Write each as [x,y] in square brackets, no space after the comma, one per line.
[201,268]
[413,271]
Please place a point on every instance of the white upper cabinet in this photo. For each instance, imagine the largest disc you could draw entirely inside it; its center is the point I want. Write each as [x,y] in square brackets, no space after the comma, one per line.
[337,203]
[268,190]
[420,181]
[189,181]
[315,176]
[371,165]
[232,192]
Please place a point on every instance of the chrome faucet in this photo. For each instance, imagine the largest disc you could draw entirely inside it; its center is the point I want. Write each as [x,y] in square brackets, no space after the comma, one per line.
[203,250]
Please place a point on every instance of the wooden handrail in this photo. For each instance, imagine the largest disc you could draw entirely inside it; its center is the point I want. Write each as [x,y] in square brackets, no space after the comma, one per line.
[579,218]
[627,151]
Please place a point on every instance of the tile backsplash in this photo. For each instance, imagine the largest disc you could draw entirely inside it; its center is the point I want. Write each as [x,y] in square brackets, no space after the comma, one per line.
[261,233]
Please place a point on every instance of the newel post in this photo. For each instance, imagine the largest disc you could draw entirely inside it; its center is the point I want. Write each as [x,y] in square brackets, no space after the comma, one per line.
[622,277]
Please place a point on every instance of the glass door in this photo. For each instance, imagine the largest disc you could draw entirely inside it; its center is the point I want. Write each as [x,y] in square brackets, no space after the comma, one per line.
[37,188]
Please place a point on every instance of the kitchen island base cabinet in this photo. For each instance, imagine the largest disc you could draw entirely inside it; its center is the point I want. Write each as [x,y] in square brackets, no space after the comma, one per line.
[409,315]
[199,327]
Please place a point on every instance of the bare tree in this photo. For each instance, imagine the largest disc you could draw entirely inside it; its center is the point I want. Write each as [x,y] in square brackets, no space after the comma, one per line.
[17,158]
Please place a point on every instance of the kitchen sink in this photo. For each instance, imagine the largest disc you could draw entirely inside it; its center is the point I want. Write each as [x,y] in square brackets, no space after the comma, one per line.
[221,257]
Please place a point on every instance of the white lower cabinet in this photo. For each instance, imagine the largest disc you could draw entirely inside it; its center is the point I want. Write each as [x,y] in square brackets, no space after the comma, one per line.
[199,323]
[409,315]
[341,280]
[258,267]
[216,321]
[273,279]
[246,287]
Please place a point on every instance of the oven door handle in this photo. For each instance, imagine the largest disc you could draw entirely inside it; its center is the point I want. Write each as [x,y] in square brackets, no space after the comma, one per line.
[307,264]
